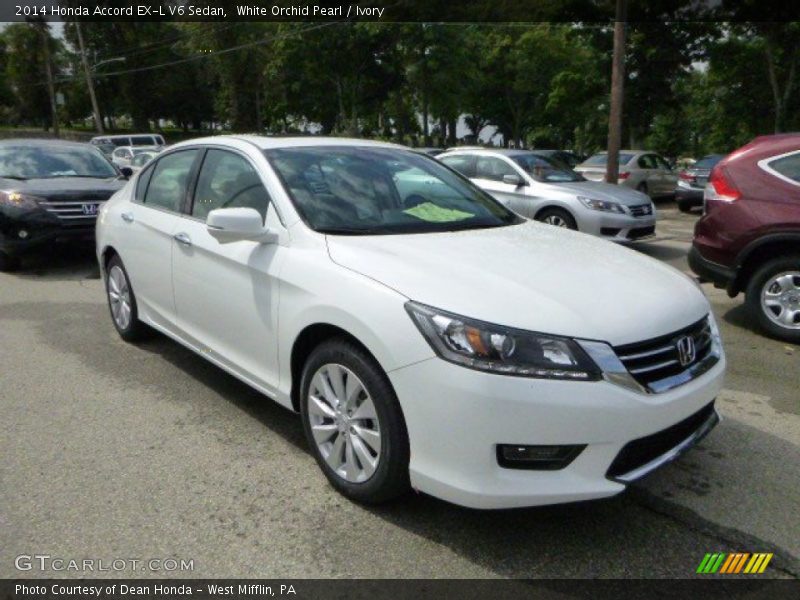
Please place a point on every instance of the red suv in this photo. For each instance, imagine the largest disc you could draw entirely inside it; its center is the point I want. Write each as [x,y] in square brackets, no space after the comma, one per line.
[748,239]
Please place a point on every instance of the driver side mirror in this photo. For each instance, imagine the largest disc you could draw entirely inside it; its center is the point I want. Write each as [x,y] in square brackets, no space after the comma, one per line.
[513,179]
[228,225]
[126,172]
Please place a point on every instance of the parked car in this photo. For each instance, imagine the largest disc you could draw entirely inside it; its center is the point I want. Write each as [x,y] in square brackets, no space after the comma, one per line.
[136,139]
[123,155]
[566,158]
[49,190]
[141,158]
[748,239]
[402,312]
[692,182]
[538,188]
[646,172]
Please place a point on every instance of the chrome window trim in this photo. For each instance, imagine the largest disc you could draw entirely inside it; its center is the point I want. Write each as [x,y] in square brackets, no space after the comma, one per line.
[764,165]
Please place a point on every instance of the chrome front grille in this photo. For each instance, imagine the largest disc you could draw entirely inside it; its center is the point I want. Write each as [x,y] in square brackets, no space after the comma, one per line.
[664,362]
[73,213]
[641,210]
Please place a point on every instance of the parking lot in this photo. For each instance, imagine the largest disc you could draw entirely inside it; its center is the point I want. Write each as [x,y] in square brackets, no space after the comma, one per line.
[118,451]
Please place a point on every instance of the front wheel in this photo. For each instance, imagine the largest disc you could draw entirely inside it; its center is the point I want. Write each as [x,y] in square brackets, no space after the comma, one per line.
[685,206]
[558,218]
[353,423]
[773,297]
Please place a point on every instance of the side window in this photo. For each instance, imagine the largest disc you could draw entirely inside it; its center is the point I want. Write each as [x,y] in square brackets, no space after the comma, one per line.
[663,164]
[646,162]
[227,180]
[461,163]
[489,167]
[788,166]
[143,140]
[141,183]
[168,182]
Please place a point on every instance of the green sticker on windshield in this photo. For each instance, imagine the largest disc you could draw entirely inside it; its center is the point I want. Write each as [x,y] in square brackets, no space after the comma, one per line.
[428,211]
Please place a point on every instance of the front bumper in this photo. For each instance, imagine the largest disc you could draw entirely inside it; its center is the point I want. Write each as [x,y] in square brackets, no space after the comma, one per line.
[23,230]
[617,227]
[456,417]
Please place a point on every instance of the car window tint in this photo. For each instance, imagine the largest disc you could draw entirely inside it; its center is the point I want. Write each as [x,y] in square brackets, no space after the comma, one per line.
[227,180]
[142,140]
[167,186]
[489,167]
[646,162]
[788,166]
[141,183]
[662,164]
[461,163]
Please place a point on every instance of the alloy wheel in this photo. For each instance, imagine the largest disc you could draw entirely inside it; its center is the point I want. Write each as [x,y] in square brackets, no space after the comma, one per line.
[780,299]
[344,423]
[556,220]
[119,296]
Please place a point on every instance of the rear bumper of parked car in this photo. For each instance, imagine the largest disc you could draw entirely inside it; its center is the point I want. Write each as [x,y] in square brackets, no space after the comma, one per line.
[689,195]
[457,417]
[616,227]
[721,276]
[25,230]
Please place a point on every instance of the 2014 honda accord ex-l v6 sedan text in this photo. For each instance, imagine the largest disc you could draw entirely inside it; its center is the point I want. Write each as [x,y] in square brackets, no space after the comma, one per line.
[429,337]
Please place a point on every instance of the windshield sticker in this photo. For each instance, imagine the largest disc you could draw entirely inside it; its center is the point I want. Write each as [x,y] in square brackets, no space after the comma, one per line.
[428,211]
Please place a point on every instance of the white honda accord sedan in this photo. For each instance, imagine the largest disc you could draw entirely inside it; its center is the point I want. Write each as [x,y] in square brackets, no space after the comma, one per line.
[428,337]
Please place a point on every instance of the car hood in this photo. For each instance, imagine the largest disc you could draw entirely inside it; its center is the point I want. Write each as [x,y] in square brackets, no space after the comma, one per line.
[603,191]
[66,188]
[531,276]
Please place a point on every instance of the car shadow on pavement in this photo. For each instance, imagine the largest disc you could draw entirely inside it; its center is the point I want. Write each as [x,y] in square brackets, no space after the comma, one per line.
[60,262]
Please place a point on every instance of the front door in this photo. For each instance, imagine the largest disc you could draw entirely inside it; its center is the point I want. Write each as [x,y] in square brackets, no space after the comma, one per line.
[226,295]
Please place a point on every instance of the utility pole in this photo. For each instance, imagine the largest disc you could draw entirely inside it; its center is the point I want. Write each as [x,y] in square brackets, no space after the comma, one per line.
[617,93]
[42,26]
[98,121]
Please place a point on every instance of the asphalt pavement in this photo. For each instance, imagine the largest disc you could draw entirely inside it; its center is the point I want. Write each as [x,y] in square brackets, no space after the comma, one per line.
[118,451]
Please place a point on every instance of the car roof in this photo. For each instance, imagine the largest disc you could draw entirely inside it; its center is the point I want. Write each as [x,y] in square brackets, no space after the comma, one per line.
[43,143]
[264,142]
[500,151]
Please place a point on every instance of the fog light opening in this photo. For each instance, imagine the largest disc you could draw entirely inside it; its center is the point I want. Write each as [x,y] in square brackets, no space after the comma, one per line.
[23,234]
[544,458]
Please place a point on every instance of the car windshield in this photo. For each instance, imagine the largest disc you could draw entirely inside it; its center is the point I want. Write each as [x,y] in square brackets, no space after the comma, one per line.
[363,190]
[707,162]
[546,169]
[36,162]
[599,160]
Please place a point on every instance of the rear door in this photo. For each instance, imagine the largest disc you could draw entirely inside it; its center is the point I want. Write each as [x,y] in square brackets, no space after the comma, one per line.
[669,178]
[147,229]
[226,295]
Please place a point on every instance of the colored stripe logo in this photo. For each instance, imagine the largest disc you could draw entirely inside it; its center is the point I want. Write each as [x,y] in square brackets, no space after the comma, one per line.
[734,563]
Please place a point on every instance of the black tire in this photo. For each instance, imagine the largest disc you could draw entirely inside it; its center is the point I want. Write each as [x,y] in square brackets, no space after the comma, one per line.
[135,329]
[684,206]
[758,280]
[9,263]
[390,478]
[558,213]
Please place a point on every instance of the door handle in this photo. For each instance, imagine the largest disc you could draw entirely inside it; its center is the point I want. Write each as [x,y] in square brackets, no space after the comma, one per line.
[127,217]
[183,239]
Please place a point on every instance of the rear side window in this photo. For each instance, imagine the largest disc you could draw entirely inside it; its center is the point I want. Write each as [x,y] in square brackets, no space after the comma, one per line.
[121,141]
[143,140]
[788,166]
[167,186]
[227,180]
[647,161]
[461,163]
[489,167]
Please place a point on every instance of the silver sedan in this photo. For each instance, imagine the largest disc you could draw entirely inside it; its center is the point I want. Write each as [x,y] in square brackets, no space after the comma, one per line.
[546,191]
[644,171]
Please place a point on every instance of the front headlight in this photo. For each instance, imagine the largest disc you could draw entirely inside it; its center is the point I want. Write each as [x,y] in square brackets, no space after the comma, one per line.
[497,349]
[604,205]
[17,200]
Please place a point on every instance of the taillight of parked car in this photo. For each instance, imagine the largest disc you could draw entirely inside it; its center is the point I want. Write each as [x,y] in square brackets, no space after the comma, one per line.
[623,175]
[720,187]
[686,176]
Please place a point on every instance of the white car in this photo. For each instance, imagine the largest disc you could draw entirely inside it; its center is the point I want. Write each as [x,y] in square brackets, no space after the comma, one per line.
[429,337]
[140,159]
[124,155]
[538,188]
